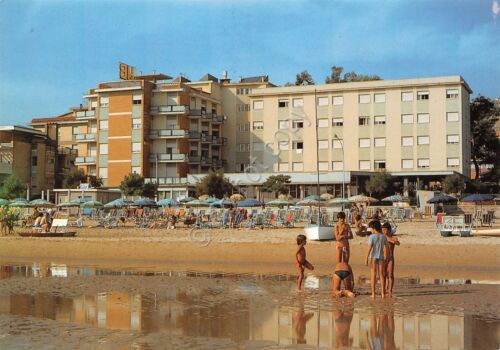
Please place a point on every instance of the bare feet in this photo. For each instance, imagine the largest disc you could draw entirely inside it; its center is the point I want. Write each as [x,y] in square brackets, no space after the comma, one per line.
[373,296]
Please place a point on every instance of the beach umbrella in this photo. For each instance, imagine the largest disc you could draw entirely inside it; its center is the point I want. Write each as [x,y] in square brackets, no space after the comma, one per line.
[327,196]
[339,201]
[222,203]
[41,203]
[197,203]
[279,203]
[145,202]
[20,204]
[167,201]
[477,198]
[250,203]
[442,198]
[309,203]
[396,198]
[203,197]
[92,204]
[20,199]
[118,203]
[314,197]
[186,199]
[74,203]
[361,198]
[3,201]
[237,197]
[211,200]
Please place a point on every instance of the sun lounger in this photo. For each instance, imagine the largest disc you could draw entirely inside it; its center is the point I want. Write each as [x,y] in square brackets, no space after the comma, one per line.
[56,230]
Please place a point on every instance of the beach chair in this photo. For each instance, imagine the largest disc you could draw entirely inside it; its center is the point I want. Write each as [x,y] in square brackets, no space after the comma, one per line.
[478,218]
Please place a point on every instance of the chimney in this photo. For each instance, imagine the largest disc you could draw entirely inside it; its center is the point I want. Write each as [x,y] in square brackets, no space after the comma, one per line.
[224,78]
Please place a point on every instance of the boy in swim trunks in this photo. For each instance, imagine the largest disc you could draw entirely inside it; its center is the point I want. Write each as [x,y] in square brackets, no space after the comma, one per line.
[392,242]
[376,256]
[300,260]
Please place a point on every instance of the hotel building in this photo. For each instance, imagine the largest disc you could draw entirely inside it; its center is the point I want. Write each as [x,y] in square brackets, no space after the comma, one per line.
[172,131]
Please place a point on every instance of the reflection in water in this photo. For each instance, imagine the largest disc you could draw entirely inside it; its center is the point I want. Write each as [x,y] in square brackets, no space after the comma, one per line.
[241,314]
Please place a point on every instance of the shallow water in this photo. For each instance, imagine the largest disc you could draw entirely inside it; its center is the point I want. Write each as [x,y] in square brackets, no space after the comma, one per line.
[60,306]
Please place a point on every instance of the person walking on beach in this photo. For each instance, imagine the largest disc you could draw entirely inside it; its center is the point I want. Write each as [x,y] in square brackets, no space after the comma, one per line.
[300,260]
[392,242]
[376,256]
[342,235]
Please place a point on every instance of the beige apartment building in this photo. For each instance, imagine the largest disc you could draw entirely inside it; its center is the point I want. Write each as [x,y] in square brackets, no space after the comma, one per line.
[172,131]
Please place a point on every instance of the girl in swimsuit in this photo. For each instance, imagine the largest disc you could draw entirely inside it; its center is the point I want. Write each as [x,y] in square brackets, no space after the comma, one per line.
[392,242]
[343,273]
[342,234]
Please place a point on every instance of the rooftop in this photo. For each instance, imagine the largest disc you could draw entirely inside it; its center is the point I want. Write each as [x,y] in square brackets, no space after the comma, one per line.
[19,128]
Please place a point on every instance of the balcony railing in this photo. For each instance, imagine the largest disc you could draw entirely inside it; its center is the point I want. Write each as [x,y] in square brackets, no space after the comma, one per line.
[85,138]
[168,133]
[165,157]
[176,109]
[167,180]
[219,118]
[85,114]
[85,160]
[220,141]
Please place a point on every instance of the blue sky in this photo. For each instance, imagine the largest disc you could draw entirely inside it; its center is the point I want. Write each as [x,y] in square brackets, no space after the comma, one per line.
[52,52]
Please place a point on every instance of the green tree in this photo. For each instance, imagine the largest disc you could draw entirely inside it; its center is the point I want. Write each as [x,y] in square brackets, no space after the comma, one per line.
[276,184]
[304,78]
[149,190]
[336,76]
[94,181]
[214,184]
[453,184]
[380,184]
[12,188]
[485,144]
[73,178]
[132,185]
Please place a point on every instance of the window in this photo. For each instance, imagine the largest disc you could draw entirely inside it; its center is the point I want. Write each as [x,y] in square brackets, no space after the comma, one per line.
[407,96]
[453,162]
[282,103]
[103,172]
[258,104]
[323,123]
[136,169]
[103,148]
[423,163]
[74,130]
[258,146]
[337,143]
[298,102]
[364,165]
[322,101]
[407,119]
[407,163]
[283,167]
[338,100]
[364,143]
[298,166]
[93,104]
[298,124]
[365,98]
[136,123]
[379,98]
[423,140]
[137,102]
[452,116]
[283,124]
[379,141]
[379,120]
[283,145]
[364,120]
[34,161]
[244,127]
[243,91]
[379,164]
[422,95]
[323,144]
[243,107]
[243,147]
[136,147]
[104,101]
[423,118]
[338,122]
[103,124]
[453,139]
[336,166]
[407,141]
[323,166]
[298,146]
[452,93]
[258,125]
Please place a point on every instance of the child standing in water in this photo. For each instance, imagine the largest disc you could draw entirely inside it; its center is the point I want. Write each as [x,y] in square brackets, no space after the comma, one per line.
[389,263]
[300,260]
[376,256]
[342,235]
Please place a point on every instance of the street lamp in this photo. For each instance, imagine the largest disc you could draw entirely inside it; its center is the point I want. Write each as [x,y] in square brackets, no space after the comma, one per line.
[343,163]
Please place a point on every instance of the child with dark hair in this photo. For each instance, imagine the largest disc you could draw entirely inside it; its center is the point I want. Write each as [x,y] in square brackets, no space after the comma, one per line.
[376,256]
[300,260]
[342,235]
[392,242]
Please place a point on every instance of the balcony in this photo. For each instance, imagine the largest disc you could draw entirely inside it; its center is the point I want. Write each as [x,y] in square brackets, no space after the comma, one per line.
[85,114]
[168,158]
[85,138]
[218,119]
[169,109]
[195,159]
[220,141]
[84,160]
[199,113]
[167,180]
[168,134]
